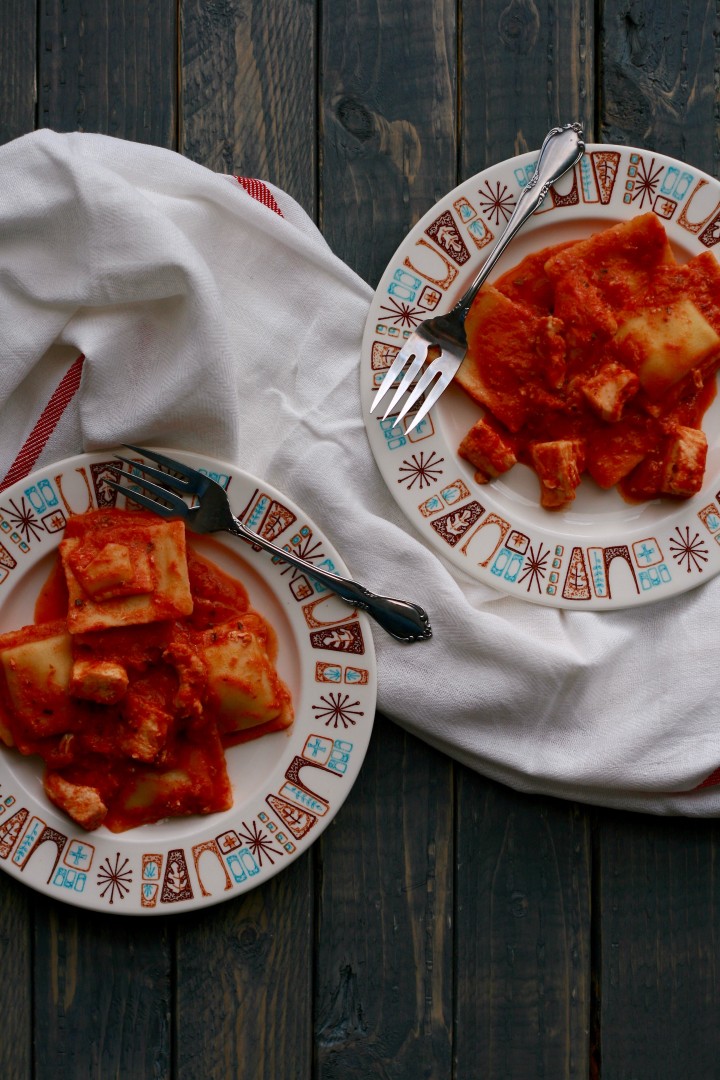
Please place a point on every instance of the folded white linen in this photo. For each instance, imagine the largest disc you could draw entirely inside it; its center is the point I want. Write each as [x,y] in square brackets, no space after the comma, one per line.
[215,321]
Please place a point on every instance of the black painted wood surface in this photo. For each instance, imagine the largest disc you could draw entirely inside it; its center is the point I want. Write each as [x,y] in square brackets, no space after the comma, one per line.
[444,926]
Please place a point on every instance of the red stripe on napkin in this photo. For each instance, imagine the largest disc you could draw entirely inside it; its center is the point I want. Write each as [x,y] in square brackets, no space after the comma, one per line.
[48,421]
[710,781]
[261,192]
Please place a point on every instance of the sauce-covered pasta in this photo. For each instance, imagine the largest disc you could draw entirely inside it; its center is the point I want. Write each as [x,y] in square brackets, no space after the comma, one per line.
[596,358]
[145,661]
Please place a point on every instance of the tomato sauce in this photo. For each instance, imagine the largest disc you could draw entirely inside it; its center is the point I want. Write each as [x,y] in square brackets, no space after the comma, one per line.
[156,751]
[555,357]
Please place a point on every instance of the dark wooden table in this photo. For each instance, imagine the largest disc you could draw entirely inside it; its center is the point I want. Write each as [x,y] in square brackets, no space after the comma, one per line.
[444,926]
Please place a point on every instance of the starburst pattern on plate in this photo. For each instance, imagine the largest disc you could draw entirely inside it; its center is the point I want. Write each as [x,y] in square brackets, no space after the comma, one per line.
[337,709]
[402,314]
[306,548]
[259,842]
[115,878]
[535,567]
[498,203]
[23,518]
[687,551]
[646,182]
[421,470]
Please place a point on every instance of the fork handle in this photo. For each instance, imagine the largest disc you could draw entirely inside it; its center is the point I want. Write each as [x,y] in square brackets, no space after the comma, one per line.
[561,149]
[399,618]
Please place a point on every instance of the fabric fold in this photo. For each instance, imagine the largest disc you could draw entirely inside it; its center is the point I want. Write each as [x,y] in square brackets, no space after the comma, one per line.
[214,317]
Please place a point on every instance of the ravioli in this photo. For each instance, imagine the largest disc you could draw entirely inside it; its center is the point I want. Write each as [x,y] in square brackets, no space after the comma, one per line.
[596,358]
[145,663]
[124,573]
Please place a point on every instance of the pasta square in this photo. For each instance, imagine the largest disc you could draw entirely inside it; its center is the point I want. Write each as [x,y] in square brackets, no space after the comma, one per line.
[126,574]
[36,664]
[596,357]
[145,663]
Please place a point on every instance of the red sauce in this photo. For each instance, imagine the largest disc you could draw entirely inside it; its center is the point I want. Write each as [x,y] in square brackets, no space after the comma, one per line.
[156,752]
[534,358]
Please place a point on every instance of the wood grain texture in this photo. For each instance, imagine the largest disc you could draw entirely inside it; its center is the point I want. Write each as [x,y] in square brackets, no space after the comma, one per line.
[109,66]
[523,934]
[444,926]
[18,76]
[245,970]
[248,91]
[388,145]
[659,926]
[16,1036]
[387,153]
[660,67]
[656,923]
[526,65]
[102,994]
[384,970]
[244,984]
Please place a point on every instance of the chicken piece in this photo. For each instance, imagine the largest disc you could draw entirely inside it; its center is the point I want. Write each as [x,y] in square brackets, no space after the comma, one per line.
[149,723]
[192,677]
[559,465]
[81,802]
[608,390]
[103,681]
[484,448]
[551,350]
[684,462]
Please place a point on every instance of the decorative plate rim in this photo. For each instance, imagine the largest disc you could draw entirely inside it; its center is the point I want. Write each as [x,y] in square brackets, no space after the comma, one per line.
[599,554]
[325,648]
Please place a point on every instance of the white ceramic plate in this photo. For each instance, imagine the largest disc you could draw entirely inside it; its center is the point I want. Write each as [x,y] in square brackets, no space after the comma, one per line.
[287,786]
[602,553]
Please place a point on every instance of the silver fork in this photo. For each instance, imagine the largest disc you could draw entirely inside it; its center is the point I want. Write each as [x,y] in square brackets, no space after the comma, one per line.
[562,148]
[211,512]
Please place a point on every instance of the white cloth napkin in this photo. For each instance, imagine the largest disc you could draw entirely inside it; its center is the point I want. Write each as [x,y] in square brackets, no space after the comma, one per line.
[213,317]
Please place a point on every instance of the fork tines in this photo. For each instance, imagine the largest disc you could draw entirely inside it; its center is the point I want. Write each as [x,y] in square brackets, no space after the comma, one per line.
[166,496]
[176,469]
[170,504]
[435,379]
[414,352]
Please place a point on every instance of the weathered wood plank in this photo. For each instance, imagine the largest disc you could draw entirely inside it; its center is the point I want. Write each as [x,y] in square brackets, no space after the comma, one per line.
[526,66]
[244,984]
[384,948]
[245,969]
[103,987]
[523,933]
[523,920]
[388,147]
[18,92]
[384,971]
[659,912]
[660,68]
[18,85]
[102,995]
[109,66]
[656,884]
[248,94]
[16,1037]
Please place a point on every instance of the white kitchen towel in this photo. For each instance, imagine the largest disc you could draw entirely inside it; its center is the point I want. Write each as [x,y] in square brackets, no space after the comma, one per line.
[212,316]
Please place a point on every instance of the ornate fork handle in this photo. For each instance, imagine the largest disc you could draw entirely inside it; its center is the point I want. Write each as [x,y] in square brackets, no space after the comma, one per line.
[561,149]
[399,618]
